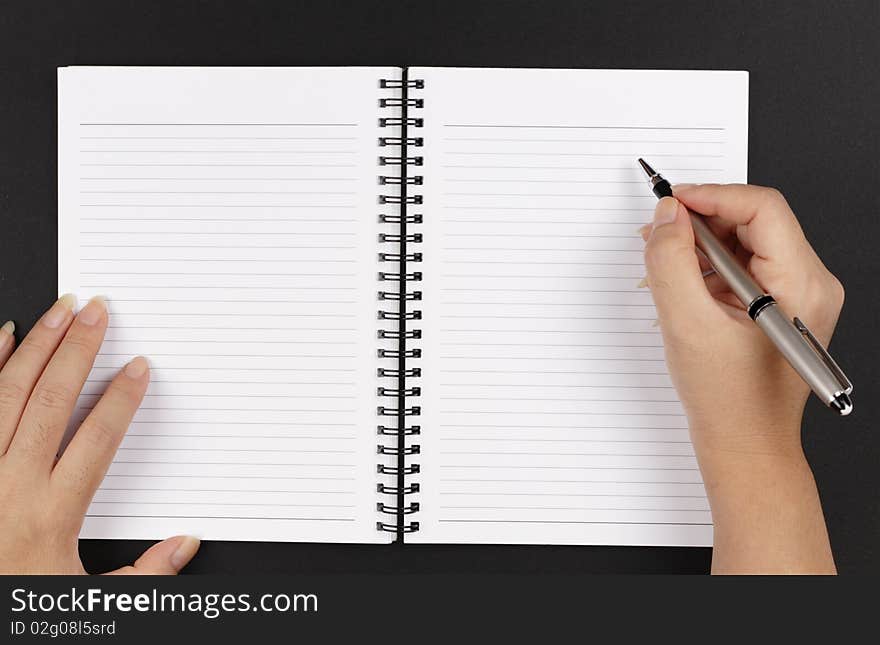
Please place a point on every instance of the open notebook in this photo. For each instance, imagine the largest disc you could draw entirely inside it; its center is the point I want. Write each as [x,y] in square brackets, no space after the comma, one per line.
[241,221]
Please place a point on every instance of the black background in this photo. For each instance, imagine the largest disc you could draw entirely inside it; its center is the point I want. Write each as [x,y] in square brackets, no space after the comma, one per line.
[814,99]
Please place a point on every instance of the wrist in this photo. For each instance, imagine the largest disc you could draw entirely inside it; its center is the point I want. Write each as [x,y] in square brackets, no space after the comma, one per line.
[767,516]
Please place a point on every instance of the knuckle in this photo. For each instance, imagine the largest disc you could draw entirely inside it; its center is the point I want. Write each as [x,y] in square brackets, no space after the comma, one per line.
[774,197]
[663,253]
[54,395]
[12,396]
[38,436]
[81,344]
[98,432]
[35,346]
[838,289]
[129,393]
[836,292]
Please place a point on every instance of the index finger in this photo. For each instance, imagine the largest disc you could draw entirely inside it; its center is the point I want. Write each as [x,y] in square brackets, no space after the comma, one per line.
[772,229]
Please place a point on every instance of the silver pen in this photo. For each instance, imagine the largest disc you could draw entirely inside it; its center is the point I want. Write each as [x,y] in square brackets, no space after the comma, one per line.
[792,338]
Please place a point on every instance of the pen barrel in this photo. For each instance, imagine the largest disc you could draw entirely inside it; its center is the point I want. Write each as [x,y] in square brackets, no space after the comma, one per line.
[725,264]
[801,356]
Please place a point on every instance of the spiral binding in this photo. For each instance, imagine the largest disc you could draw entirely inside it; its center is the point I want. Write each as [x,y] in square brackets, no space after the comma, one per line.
[401,392]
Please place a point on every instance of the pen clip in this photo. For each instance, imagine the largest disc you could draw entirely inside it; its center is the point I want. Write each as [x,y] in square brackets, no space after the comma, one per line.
[845,384]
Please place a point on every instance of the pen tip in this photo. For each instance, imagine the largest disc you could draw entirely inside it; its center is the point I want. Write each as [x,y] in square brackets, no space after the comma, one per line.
[648,170]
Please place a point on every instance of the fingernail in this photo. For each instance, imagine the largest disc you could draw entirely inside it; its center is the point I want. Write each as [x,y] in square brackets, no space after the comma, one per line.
[667,209]
[642,283]
[683,187]
[59,312]
[184,552]
[93,312]
[655,323]
[644,229]
[136,367]
[8,327]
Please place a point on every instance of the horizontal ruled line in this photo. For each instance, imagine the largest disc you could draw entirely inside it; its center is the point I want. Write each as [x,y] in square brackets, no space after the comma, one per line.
[243,436]
[522,290]
[554,153]
[225,288]
[466,180]
[520,262]
[222,260]
[231,463]
[227,342]
[251,423]
[574,522]
[201,327]
[538,303]
[510,439]
[547,235]
[202,233]
[545,385]
[559,413]
[190,354]
[510,467]
[226,517]
[212,273]
[116,220]
[550,317]
[167,408]
[248,503]
[217,192]
[508,167]
[539,223]
[554,454]
[574,481]
[110,475]
[574,508]
[545,208]
[228,490]
[556,427]
[238,369]
[176,382]
[214,138]
[223,165]
[652,332]
[305,125]
[154,247]
[641,141]
[223,179]
[530,344]
[580,127]
[234,450]
[448,371]
[233,396]
[225,152]
[214,206]
[259,301]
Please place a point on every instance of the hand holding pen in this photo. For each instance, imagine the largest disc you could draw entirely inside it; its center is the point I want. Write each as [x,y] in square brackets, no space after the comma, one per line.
[743,399]
[794,340]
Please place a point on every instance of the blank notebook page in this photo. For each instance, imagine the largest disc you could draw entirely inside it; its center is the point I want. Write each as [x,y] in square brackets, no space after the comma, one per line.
[229,217]
[547,413]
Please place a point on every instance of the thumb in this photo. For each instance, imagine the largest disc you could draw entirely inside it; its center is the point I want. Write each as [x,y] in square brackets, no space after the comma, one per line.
[674,275]
[165,558]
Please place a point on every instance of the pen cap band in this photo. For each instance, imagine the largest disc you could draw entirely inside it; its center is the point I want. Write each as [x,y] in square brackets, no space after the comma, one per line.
[759,304]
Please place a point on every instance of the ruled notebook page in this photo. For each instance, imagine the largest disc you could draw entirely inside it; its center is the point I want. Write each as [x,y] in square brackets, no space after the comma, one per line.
[547,412]
[229,217]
